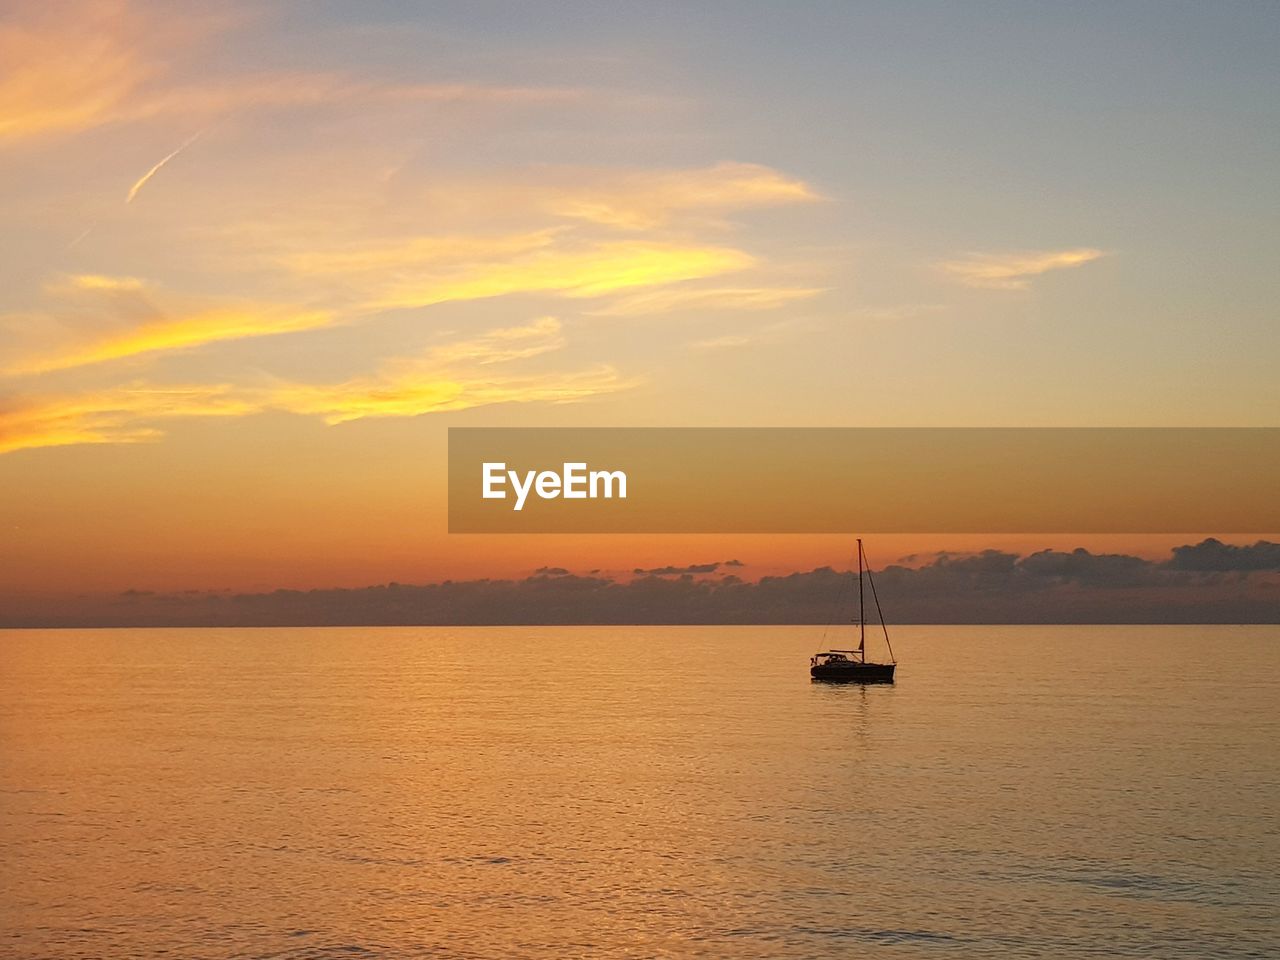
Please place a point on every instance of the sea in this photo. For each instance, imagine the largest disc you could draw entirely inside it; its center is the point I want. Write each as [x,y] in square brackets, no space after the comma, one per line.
[556,792]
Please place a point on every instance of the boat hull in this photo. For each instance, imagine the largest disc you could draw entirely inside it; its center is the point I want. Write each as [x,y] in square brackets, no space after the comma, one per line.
[853,672]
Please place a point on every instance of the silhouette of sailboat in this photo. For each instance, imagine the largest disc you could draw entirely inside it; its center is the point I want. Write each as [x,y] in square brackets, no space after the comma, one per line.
[852,666]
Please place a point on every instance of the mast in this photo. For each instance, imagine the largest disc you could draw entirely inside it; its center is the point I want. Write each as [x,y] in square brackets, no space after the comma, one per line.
[862,612]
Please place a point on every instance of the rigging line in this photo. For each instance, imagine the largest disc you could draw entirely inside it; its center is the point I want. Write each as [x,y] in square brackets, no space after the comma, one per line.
[879,612]
[834,610]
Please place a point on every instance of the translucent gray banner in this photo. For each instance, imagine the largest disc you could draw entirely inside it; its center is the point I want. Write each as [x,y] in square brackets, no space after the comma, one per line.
[871,480]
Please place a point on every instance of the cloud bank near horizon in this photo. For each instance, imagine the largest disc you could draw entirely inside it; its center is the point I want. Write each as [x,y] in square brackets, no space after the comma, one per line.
[1207,582]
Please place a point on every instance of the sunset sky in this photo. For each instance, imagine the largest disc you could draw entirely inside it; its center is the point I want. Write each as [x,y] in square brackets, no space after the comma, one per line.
[256,259]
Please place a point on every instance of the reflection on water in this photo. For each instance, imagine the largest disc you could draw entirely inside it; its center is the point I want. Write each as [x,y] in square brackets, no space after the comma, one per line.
[553,792]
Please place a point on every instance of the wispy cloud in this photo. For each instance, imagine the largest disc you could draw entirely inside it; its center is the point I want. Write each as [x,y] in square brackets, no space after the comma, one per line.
[78,65]
[725,342]
[616,198]
[405,392]
[1014,271]
[705,299]
[362,272]
[123,414]
[592,271]
[769,333]
[68,68]
[890,314]
[302,234]
[97,281]
[183,333]
[123,320]
[640,200]
[580,258]
[505,344]
[371,261]
[277,90]
[454,376]
[416,272]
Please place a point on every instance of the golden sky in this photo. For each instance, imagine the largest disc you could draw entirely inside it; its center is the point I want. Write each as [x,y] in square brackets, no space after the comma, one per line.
[257,258]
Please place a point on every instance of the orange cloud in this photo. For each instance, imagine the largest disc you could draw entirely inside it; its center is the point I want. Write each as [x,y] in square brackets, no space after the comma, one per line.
[118,415]
[453,376]
[645,199]
[364,271]
[591,272]
[509,343]
[413,393]
[151,330]
[421,272]
[1014,271]
[96,281]
[622,198]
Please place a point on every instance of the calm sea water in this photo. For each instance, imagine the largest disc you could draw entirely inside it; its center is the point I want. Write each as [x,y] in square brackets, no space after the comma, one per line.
[638,792]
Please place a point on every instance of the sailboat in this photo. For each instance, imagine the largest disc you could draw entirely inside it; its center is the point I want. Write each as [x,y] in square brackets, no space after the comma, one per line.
[852,666]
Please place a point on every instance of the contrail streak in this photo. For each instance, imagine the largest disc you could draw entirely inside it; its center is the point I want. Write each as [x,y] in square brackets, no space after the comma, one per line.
[142,181]
[83,233]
